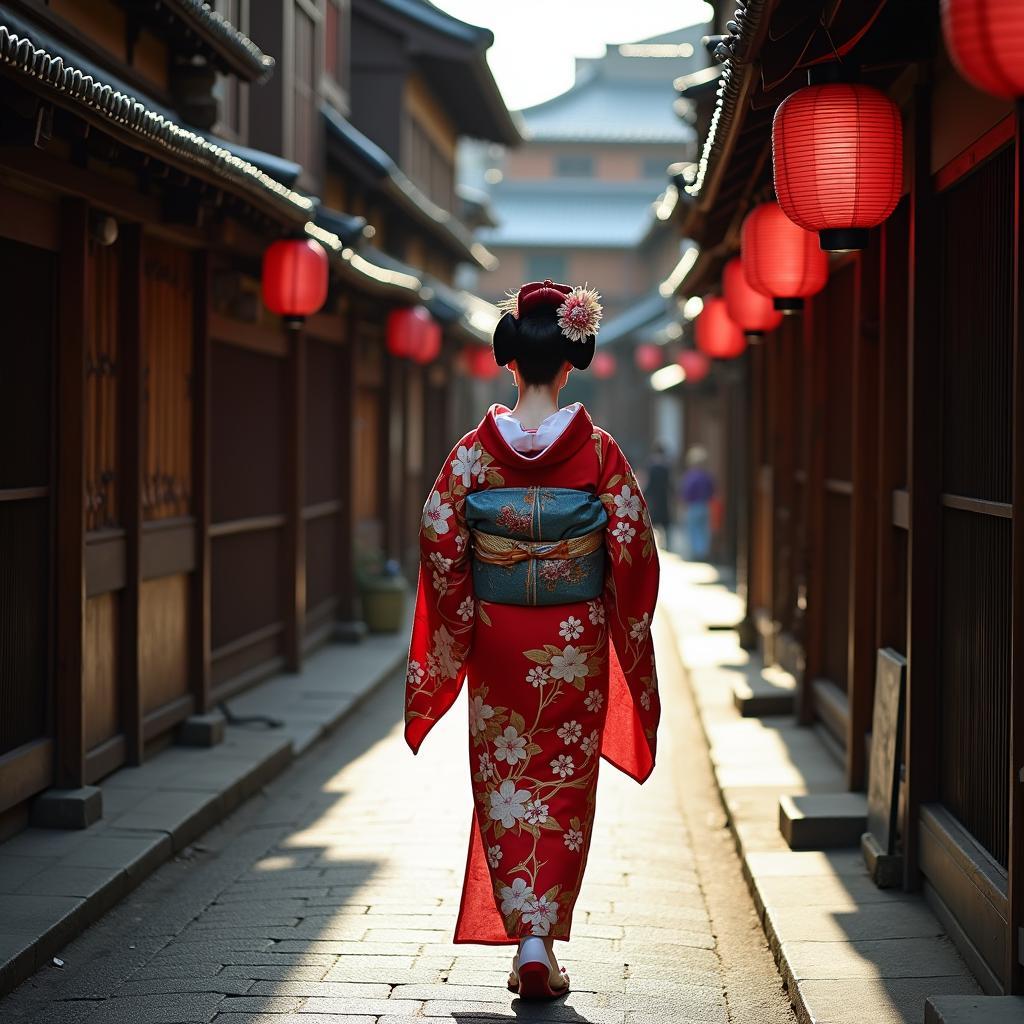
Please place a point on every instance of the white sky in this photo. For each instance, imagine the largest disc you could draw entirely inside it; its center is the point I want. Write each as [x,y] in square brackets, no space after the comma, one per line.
[531,65]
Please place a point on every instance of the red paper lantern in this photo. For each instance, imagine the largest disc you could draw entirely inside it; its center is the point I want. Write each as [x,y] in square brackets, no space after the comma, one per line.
[295,277]
[781,259]
[430,342]
[718,335]
[647,356]
[480,362]
[752,310]
[985,39]
[837,153]
[695,364]
[603,365]
[412,333]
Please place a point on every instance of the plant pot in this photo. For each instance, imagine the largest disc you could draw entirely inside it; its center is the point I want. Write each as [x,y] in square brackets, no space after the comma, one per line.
[383,602]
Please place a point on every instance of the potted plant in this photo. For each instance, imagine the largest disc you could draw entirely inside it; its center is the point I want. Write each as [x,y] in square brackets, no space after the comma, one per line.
[383,592]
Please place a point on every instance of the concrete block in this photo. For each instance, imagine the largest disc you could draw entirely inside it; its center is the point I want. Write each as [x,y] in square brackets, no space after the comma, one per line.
[760,694]
[974,1010]
[823,821]
[68,808]
[885,869]
[201,730]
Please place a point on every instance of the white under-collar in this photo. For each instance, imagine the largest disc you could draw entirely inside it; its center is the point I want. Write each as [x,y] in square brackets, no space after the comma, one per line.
[533,442]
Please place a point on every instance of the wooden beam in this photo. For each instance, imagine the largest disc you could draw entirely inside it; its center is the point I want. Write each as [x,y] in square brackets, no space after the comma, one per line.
[69,576]
[347,389]
[294,578]
[130,344]
[813,557]
[392,399]
[892,422]
[923,484]
[1014,967]
[862,630]
[199,596]
[785,387]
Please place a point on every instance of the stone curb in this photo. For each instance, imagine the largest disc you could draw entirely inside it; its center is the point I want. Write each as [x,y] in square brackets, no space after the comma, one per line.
[872,1006]
[66,917]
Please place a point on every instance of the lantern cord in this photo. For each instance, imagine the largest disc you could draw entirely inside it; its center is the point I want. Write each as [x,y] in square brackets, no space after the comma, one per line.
[828,36]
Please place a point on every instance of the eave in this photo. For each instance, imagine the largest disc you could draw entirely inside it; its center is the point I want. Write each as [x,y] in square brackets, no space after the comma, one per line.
[453,57]
[229,49]
[53,72]
[383,173]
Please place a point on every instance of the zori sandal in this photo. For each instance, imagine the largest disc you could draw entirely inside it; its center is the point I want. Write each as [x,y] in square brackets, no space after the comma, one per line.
[534,972]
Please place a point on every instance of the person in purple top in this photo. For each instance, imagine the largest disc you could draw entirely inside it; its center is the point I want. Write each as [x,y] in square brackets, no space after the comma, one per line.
[697,488]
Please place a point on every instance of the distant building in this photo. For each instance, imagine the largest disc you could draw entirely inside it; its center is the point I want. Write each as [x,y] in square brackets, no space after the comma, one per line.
[574,202]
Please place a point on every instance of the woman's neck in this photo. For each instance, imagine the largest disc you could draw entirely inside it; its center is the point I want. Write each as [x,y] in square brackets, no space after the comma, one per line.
[534,406]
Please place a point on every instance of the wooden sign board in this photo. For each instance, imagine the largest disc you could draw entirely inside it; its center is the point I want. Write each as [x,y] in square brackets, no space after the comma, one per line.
[886,747]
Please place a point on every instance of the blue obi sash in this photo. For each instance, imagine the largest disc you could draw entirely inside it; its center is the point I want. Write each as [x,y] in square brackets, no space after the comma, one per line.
[537,545]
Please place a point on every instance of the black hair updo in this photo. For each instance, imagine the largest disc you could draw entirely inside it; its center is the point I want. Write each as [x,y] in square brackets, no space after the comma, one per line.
[537,344]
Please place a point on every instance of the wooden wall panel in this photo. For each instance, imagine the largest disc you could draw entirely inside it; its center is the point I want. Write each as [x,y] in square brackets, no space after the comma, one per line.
[26,381]
[99,685]
[368,455]
[167,276]
[163,641]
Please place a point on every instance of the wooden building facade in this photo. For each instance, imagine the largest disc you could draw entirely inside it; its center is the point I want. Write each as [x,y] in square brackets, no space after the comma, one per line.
[884,479]
[186,481]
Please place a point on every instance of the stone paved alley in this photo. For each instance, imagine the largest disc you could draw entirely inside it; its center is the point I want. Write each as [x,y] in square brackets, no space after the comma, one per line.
[332,897]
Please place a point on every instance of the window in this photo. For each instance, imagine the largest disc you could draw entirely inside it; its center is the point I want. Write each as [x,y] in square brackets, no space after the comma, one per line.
[546,266]
[425,162]
[336,42]
[572,165]
[304,79]
[656,167]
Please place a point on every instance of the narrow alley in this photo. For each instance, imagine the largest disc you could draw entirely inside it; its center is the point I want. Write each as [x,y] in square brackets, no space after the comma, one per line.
[332,895]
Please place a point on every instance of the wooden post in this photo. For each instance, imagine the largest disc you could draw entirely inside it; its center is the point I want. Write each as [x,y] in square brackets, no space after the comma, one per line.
[813,558]
[393,401]
[862,642]
[130,344]
[295,544]
[923,473]
[1014,967]
[69,575]
[199,596]
[347,387]
[783,442]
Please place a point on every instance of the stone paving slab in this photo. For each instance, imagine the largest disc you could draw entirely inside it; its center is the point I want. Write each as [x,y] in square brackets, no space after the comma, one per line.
[849,951]
[53,883]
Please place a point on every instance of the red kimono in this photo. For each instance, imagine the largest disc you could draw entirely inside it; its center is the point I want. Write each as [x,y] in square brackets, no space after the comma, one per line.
[551,688]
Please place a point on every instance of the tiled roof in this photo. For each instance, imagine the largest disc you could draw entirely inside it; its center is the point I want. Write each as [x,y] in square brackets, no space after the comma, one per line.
[37,58]
[599,110]
[432,17]
[577,214]
[738,74]
[223,35]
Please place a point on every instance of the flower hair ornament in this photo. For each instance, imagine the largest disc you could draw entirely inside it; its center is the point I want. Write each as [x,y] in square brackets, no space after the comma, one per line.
[580,314]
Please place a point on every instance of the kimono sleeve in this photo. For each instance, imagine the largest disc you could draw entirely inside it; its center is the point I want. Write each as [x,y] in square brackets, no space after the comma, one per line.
[631,591]
[442,628]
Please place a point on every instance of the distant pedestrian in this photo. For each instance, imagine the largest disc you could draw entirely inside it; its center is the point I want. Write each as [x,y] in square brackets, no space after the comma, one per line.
[697,490]
[658,491]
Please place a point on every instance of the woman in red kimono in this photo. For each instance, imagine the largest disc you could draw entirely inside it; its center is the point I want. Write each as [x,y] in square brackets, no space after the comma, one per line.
[538,580]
